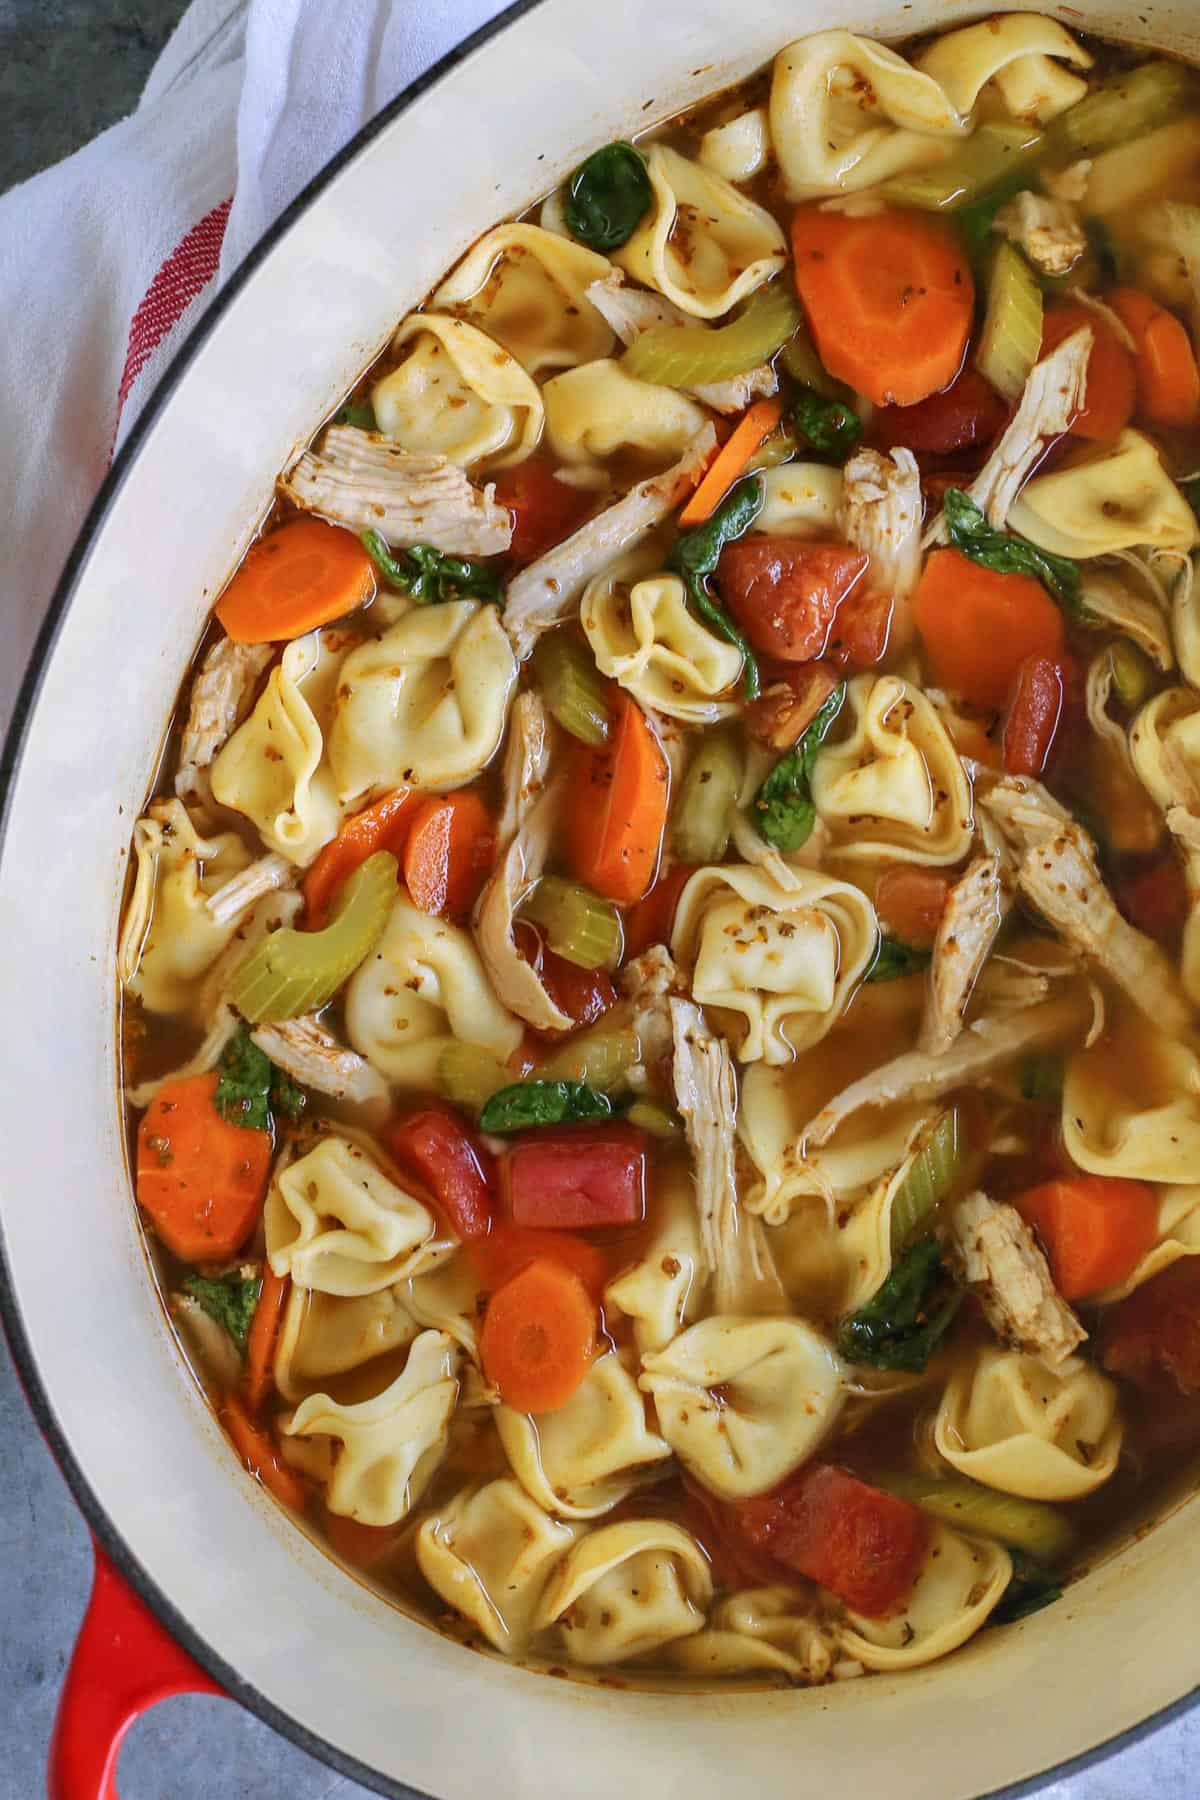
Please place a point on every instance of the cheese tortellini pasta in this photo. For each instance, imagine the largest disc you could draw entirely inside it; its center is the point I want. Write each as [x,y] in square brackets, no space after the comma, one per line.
[585,1457]
[336,1222]
[595,410]
[490,1554]
[1116,500]
[527,288]
[1012,1423]
[625,1590]
[800,500]
[170,940]
[458,393]
[771,1628]
[643,634]
[961,1581]
[1134,1110]
[663,1290]
[1020,56]
[329,1334]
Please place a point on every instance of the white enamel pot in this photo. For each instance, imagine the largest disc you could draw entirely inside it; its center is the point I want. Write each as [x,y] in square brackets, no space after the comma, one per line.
[273,1621]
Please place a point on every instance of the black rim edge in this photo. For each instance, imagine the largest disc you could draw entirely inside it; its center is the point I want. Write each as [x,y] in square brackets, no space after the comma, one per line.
[233,1683]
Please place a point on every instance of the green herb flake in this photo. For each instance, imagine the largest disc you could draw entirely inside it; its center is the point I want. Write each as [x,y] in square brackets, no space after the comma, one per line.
[530,1103]
[783,807]
[243,1095]
[906,1320]
[1030,1589]
[1006,553]
[608,196]
[1040,1077]
[829,426]
[230,1300]
[360,414]
[894,959]
[694,557]
[427,576]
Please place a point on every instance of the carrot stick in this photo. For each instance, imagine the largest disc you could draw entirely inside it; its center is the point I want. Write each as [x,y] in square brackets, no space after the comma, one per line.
[614,826]
[1095,1229]
[383,826]
[264,1330]
[752,429]
[200,1178]
[1168,380]
[450,851]
[978,627]
[889,300]
[257,1450]
[538,1337]
[302,575]
[910,903]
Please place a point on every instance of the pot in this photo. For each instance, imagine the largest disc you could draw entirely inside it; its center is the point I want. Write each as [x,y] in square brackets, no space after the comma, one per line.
[263,1611]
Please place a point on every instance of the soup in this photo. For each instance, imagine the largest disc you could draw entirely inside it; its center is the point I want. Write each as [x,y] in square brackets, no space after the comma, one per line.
[659,978]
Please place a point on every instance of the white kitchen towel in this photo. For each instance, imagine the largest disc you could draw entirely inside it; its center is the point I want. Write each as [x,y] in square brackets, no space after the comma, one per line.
[108,259]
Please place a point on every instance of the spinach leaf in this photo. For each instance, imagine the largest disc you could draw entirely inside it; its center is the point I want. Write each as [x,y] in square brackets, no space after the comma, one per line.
[1040,1076]
[830,426]
[694,557]
[1007,553]
[894,959]
[286,1097]
[906,1320]
[250,1088]
[608,196]
[231,1301]
[1031,1588]
[974,221]
[426,575]
[528,1103]
[783,807]
[358,413]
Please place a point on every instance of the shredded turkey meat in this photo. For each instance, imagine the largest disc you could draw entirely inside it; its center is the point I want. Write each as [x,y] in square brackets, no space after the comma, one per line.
[732,1243]
[220,699]
[543,595]
[247,887]
[880,512]
[526,762]
[303,1049]
[649,982]
[1011,1279]
[976,908]
[632,311]
[360,479]
[1048,230]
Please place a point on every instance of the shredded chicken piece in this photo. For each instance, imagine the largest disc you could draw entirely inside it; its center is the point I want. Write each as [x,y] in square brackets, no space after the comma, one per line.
[247,887]
[880,512]
[1055,392]
[303,1049]
[526,762]
[220,699]
[516,982]
[1184,825]
[650,982]
[632,311]
[1048,230]
[975,910]
[360,479]
[543,595]
[732,1242]
[1011,1278]
[1070,183]
[983,1049]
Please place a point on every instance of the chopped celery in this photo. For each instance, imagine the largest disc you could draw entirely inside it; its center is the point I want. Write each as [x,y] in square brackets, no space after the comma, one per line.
[468,1076]
[1011,340]
[1133,673]
[679,356]
[932,1174]
[805,367]
[993,155]
[655,1120]
[1028,1525]
[707,796]
[1122,106]
[578,924]
[780,447]
[293,972]
[572,686]
[602,1058]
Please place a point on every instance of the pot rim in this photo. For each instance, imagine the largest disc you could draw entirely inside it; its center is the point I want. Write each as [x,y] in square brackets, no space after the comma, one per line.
[36,1394]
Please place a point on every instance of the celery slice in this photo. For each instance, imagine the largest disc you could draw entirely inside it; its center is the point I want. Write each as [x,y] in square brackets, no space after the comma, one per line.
[293,972]
[1011,340]
[679,356]
[933,1173]
[1028,1525]
[1134,675]
[655,1120]
[1121,107]
[993,156]
[572,687]
[601,1058]
[468,1076]
[577,924]
[707,795]
[801,362]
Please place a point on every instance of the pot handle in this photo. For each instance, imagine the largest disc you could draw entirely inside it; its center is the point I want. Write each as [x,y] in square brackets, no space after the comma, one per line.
[124,1661]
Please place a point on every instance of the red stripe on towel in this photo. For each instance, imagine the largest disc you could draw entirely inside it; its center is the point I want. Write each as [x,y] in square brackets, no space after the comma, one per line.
[188,270]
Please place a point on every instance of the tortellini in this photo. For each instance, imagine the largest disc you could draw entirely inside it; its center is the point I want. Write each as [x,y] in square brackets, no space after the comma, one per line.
[663,1290]
[702,244]
[1164,746]
[445,1295]
[458,393]
[626,1590]
[274,768]
[961,1581]
[779,963]
[597,409]
[740,149]
[170,940]
[585,1457]
[423,987]
[490,1554]
[645,637]
[424,705]
[1116,500]
[896,785]
[847,113]
[1178,1236]
[771,1628]
[743,1402]
[335,1222]
[1136,1112]
[329,1334]
[800,500]
[527,288]
[1020,54]
[389,1445]
[1007,1420]
[831,1260]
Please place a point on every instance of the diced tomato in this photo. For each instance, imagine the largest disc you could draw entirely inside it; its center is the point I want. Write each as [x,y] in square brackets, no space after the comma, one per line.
[585,995]
[507,1249]
[968,412]
[1033,715]
[1111,371]
[865,1546]
[545,510]
[650,919]
[862,630]
[1153,1337]
[1155,898]
[784,592]
[735,1561]
[789,703]
[575,1178]
[435,1145]
[910,903]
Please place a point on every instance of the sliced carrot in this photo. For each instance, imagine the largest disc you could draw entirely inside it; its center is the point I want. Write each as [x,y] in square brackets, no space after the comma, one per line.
[381,826]
[619,792]
[538,1337]
[889,300]
[1111,379]
[509,1248]
[200,1179]
[449,854]
[910,903]
[264,1330]
[256,1447]
[362,1545]
[1168,380]
[751,431]
[1095,1228]
[978,627]
[303,575]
